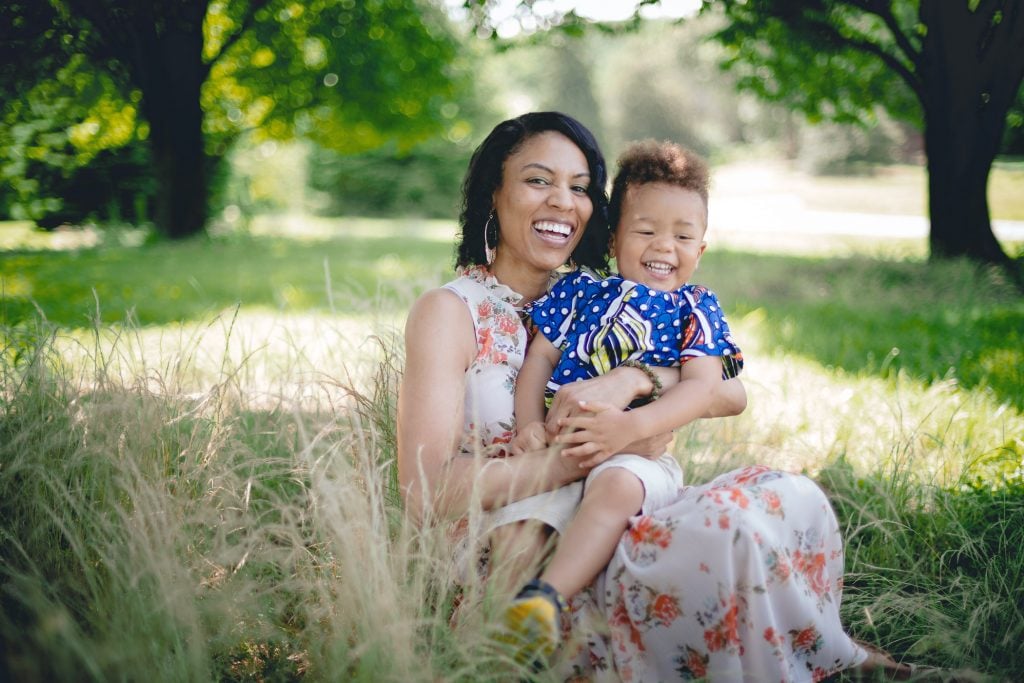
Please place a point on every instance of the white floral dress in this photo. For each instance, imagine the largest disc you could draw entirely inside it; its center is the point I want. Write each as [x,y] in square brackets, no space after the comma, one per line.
[739,579]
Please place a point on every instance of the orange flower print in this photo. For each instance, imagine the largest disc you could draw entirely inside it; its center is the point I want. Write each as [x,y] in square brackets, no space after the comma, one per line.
[485,309]
[509,325]
[726,631]
[812,567]
[692,665]
[772,503]
[620,616]
[737,496]
[723,521]
[484,342]
[666,609]
[749,473]
[807,641]
[773,638]
[647,530]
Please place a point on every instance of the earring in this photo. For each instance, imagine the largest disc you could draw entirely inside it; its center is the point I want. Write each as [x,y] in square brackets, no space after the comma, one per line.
[489,227]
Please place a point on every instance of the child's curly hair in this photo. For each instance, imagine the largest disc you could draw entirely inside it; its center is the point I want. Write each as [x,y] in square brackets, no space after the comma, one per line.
[651,161]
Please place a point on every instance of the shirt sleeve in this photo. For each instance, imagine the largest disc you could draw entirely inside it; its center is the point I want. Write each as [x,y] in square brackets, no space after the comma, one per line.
[555,312]
[706,332]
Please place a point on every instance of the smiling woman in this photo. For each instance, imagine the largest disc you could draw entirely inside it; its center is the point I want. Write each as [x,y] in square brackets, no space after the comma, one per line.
[734,579]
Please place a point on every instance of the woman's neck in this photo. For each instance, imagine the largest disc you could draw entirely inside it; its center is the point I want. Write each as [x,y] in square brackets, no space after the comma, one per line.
[531,284]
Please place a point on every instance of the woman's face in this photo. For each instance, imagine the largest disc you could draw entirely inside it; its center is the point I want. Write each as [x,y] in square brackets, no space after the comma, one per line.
[542,203]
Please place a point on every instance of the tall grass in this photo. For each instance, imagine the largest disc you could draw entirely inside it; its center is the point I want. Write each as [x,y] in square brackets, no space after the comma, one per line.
[216,499]
[207,518]
[212,535]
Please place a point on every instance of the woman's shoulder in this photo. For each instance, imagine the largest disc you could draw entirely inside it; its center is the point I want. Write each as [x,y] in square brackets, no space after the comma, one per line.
[445,303]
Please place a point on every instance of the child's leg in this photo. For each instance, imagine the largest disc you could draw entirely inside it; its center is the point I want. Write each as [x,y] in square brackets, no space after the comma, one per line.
[611,498]
[532,620]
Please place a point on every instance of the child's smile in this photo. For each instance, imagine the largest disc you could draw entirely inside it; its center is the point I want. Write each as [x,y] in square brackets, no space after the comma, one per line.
[660,236]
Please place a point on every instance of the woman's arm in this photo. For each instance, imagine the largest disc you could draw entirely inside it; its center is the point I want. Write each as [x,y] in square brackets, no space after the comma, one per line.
[607,429]
[440,345]
[541,358]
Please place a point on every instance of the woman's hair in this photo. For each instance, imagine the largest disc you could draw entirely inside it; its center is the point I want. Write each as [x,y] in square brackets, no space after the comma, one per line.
[650,161]
[484,176]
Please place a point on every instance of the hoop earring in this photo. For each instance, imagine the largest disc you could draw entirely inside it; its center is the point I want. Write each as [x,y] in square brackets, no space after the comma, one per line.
[490,227]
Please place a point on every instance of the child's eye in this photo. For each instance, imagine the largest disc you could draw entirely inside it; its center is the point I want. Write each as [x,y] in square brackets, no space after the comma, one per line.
[683,238]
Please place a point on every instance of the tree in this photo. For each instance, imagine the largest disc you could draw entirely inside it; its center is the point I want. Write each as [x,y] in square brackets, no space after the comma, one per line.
[953,67]
[188,76]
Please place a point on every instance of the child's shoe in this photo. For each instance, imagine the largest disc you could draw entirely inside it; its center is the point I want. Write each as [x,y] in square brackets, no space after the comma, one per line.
[533,623]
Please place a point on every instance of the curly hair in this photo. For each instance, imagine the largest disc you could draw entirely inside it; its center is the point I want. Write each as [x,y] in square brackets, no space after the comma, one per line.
[484,176]
[651,161]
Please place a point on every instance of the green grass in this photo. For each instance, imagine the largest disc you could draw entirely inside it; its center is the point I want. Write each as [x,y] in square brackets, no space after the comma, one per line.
[204,489]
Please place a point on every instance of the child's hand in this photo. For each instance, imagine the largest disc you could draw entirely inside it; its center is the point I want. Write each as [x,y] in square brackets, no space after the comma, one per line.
[600,431]
[530,437]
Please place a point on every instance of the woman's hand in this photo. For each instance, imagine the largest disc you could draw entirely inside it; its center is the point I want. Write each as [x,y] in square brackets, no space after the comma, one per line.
[600,431]
[617,388]
[605,431]
[530,437]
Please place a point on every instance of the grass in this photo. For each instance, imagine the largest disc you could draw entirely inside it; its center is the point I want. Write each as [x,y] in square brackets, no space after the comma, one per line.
[204,490]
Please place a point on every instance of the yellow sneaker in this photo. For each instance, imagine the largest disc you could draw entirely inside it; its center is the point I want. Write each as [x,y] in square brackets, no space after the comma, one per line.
[532,623]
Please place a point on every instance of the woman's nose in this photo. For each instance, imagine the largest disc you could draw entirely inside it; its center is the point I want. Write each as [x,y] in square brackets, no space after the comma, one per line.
[560,197]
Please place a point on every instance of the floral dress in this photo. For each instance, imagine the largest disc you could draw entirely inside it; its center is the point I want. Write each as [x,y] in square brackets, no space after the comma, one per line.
[739,579]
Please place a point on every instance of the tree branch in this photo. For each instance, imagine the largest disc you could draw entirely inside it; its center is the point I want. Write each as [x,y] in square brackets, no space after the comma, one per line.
[884,12]
[909,76]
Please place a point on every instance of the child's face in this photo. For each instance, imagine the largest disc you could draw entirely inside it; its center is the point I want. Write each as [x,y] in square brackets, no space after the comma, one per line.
[660,236]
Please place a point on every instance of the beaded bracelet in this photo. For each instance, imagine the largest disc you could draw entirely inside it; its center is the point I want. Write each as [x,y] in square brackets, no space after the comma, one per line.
[646,369]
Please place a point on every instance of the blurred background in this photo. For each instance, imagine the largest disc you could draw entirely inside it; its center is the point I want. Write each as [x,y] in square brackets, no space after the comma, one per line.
[175,121]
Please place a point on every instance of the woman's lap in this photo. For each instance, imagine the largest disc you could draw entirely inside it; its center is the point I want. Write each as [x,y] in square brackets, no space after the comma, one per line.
[741,574]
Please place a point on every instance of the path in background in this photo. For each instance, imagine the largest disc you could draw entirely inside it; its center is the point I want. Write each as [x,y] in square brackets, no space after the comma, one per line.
[770,206]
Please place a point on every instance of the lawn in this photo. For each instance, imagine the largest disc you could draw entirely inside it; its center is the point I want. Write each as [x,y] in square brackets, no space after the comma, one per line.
[196,443]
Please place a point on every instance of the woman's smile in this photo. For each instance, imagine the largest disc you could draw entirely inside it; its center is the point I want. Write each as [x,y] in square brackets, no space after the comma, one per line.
[542,207]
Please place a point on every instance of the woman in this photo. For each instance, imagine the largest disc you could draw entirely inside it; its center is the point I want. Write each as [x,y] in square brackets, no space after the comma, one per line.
[737,580]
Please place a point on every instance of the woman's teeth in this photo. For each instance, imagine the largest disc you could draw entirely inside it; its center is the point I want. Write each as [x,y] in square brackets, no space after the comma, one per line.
[560,229]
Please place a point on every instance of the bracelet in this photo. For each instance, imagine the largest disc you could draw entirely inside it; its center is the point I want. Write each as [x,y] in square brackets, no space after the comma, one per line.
[646,369]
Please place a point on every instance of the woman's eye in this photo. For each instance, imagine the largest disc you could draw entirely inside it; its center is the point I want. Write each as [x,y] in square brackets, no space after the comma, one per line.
[579,189]
[538,181]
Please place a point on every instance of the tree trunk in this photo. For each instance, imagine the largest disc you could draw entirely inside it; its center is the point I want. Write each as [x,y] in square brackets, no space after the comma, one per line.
[171,73]
[971,69]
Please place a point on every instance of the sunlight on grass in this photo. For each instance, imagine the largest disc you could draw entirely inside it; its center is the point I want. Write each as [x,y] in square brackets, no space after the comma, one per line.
[197,449]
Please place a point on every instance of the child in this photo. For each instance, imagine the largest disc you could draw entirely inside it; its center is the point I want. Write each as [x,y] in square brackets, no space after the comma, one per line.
[647,315]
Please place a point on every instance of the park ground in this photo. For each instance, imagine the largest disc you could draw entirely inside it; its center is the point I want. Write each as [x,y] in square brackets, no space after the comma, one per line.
[197,446]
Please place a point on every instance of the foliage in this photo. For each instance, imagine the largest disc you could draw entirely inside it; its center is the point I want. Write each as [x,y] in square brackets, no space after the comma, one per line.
[954,68]
[351,76]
